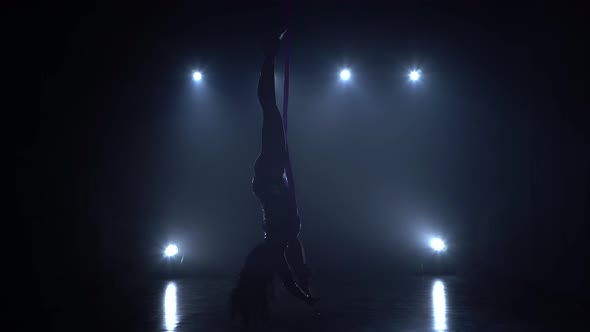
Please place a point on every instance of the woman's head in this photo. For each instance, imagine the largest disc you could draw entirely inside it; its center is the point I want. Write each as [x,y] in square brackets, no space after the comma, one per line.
[258,267]
[250,299]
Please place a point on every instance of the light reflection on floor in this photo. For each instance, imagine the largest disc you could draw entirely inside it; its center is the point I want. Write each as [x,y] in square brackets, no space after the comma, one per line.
[170,306]
[411,303]
[439,306]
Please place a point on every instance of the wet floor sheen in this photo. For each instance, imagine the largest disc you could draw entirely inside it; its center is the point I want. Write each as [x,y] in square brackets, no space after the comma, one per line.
[371,304]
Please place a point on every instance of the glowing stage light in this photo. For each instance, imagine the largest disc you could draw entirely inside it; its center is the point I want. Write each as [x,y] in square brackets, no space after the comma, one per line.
[437,244]
[414,75]
[197,76]
[345,75]
[171,250]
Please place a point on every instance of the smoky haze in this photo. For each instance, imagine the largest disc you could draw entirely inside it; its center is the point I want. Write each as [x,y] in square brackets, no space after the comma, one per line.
[487,151]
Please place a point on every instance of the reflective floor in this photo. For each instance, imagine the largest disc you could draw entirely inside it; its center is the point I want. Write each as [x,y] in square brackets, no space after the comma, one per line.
[371,304]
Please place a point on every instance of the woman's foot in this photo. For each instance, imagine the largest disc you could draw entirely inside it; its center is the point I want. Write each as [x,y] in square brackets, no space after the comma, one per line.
[305,279]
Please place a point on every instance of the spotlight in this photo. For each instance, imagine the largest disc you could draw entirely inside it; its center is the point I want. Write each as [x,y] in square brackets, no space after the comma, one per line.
[437,244]
[414,75]
[171,250]
[197,76]
[345,75]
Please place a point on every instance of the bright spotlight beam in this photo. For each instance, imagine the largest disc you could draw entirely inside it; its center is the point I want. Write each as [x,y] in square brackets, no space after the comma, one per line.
[345,74]
[437,244]
[197,76]
[414,75]
[171,250]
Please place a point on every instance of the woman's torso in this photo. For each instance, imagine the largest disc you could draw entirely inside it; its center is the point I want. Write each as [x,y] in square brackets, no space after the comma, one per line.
[280,215]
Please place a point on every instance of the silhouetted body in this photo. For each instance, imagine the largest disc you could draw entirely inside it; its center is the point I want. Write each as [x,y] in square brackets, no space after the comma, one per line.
[281,221]
[281,252]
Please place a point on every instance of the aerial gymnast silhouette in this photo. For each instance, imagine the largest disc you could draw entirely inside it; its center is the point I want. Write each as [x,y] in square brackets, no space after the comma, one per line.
[281,252]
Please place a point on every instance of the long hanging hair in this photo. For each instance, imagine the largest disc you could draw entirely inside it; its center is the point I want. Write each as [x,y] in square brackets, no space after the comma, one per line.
[251,298]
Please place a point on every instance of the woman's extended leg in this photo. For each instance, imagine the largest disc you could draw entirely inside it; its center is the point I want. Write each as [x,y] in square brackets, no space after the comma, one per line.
[296,257]
[286,275]
[273,156]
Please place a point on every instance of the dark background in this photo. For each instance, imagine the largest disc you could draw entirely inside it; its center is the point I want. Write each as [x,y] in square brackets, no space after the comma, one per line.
[489,150]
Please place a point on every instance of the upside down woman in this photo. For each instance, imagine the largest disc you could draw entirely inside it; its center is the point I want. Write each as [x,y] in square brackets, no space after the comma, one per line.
[281,253]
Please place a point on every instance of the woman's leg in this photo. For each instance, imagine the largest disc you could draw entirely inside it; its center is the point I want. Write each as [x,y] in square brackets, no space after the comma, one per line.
[273,156]
[295,255]
[285,273]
